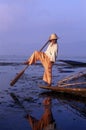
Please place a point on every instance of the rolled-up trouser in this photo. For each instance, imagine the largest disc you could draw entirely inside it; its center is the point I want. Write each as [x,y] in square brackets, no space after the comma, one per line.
[41,56]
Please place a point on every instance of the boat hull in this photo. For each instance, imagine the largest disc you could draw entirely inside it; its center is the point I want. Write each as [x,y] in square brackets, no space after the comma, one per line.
[76,91]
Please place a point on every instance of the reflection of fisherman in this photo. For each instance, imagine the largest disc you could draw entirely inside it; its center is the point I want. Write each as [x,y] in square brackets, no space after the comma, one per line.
[46,122]
[47,58]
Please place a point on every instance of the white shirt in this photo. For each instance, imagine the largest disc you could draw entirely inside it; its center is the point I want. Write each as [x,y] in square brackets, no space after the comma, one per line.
[52,51]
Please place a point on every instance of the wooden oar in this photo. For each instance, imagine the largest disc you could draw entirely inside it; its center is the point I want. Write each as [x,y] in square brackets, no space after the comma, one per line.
[22,72]
[18,76]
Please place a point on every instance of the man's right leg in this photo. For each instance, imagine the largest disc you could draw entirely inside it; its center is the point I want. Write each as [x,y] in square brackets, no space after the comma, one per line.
[34,57]
[41,56]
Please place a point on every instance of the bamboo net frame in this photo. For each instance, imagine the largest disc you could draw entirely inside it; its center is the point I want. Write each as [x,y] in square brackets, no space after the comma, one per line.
[63,82]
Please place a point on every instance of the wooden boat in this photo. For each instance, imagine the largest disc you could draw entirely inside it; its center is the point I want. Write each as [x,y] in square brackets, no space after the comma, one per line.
[75,91]
[69,85]
[74,63]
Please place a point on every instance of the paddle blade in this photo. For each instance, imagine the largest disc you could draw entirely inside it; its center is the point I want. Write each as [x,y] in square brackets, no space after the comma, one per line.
[16,78]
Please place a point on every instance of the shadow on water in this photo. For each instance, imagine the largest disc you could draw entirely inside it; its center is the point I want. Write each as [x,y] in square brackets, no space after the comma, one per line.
[46,121]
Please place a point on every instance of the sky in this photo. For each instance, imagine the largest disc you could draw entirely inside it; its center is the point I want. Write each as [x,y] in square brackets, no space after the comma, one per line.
[25,26]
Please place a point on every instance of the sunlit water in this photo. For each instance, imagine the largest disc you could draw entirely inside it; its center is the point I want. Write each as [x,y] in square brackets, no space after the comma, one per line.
[68,113]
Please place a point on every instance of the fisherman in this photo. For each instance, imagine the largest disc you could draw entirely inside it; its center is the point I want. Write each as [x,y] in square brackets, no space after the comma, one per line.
[47,58]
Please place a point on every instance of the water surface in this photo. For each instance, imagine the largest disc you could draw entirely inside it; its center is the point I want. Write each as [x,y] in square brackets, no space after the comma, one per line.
[24,102]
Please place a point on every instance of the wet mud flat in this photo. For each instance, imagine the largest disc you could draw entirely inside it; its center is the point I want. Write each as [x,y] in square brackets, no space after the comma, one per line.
[25,102]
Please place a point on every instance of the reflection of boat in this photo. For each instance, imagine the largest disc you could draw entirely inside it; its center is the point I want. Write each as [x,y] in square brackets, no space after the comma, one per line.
[74,91]
[74,103]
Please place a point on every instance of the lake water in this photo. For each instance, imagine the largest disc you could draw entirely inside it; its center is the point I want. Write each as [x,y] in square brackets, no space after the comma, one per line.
[25,105]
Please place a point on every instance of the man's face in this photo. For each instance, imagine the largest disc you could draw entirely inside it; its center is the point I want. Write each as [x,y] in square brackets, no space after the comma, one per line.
[53,41]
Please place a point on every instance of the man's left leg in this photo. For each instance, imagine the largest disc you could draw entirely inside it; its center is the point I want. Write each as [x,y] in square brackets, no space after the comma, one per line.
[47,77]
